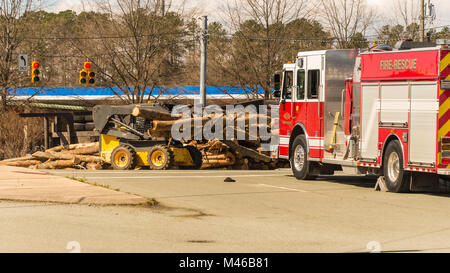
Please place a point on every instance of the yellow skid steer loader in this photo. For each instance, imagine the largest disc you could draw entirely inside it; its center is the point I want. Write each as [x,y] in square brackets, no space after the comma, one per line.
[126,144]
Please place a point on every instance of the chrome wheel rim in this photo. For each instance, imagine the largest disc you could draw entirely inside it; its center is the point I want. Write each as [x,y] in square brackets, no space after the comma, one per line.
[393,167]
[299,157]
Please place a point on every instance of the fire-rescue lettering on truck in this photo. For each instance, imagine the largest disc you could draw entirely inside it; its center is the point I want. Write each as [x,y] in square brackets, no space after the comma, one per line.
[385,111]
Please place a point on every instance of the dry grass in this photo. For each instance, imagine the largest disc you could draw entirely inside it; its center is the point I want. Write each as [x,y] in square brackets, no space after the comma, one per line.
[19,136]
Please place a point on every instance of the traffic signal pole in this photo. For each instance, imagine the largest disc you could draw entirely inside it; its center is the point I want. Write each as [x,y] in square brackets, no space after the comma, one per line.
[422,20]
[204,45]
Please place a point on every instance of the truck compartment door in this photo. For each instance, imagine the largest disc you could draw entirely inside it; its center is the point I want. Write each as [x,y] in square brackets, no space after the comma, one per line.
[369,121]
[422,134]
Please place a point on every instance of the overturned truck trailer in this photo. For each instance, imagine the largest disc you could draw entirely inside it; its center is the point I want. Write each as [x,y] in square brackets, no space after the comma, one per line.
[384,111]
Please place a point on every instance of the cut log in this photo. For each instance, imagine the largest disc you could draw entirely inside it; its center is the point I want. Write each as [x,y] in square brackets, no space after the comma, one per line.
[58,164]
[217,163]
[66,156]
[17,159]
[86,150]
[73,147]
[246,152]
[227,156]
[89,159]
[166,125]
[24,164]
[53,156]
[247,118]
[153,114]
[94,166]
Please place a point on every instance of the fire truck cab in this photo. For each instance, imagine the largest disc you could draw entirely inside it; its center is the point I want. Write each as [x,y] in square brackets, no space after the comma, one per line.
[384,111]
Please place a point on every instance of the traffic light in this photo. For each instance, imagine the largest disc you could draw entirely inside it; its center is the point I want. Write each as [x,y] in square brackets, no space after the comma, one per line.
[91,76]
[87,66]
[35,72]
[88,74]
[83,76]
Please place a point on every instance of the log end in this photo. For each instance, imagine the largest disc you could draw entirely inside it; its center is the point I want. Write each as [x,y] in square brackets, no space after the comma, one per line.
[136,111]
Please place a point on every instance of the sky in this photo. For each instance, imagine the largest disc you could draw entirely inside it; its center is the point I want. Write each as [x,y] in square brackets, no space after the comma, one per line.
[212,8]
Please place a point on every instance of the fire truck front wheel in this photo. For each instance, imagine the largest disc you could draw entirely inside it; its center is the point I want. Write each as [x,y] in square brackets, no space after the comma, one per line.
[301,167]
[395,176]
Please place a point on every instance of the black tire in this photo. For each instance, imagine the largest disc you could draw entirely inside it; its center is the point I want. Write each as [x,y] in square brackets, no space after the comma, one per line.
[401,183]
[162,160]
[123,157]
[196,156]
[303,168]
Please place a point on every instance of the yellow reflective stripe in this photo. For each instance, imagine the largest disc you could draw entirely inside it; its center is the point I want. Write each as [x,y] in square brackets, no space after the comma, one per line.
[444,108]
[445,62]
[444,129]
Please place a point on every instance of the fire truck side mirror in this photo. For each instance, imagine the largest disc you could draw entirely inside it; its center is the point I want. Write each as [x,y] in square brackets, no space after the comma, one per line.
[276,80]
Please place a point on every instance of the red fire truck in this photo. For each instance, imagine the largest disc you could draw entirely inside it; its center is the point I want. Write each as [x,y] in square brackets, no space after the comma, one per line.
[385,111]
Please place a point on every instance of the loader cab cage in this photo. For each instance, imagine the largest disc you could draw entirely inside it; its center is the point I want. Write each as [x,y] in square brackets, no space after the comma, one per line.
[118,121]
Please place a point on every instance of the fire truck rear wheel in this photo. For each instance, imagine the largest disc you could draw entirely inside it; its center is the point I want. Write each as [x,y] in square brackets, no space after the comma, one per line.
[300,165]
[395,175]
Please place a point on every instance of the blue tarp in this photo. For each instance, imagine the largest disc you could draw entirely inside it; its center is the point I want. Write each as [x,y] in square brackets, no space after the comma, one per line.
[101,91]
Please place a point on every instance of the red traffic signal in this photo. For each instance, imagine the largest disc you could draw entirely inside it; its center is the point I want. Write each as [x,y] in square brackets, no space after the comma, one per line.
[35,72]
[87,65]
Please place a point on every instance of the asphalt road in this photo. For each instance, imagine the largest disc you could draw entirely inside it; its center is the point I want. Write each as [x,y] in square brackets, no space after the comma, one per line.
[263,211]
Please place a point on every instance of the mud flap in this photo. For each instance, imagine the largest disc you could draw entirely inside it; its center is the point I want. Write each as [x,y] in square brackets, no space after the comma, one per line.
[420,182]
[424,182]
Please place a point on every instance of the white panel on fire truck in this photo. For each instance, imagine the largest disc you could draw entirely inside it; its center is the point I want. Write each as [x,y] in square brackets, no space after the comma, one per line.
[314,62]
[422,134]
[369,121]
[394,103]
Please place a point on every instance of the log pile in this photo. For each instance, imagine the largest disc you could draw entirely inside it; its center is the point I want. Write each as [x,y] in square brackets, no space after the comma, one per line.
[233,155]
[76,156]
[244,154]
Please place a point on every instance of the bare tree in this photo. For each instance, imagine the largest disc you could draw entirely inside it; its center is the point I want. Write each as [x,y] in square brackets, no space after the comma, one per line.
[346,18]
[255,51]
[12,35]
[406,12]
[137,46]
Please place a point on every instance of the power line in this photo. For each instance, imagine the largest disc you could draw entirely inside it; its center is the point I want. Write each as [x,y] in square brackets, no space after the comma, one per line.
[165,34]
[184,33]
[366,38]
[437,27]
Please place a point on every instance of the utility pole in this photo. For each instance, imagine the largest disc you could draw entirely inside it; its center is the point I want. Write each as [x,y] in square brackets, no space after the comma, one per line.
[203,45]
[163,7]
[422,20]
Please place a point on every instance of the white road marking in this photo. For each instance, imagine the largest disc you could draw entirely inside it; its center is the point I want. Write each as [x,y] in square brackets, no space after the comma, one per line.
[283,188]
[180,176]
[169,172]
